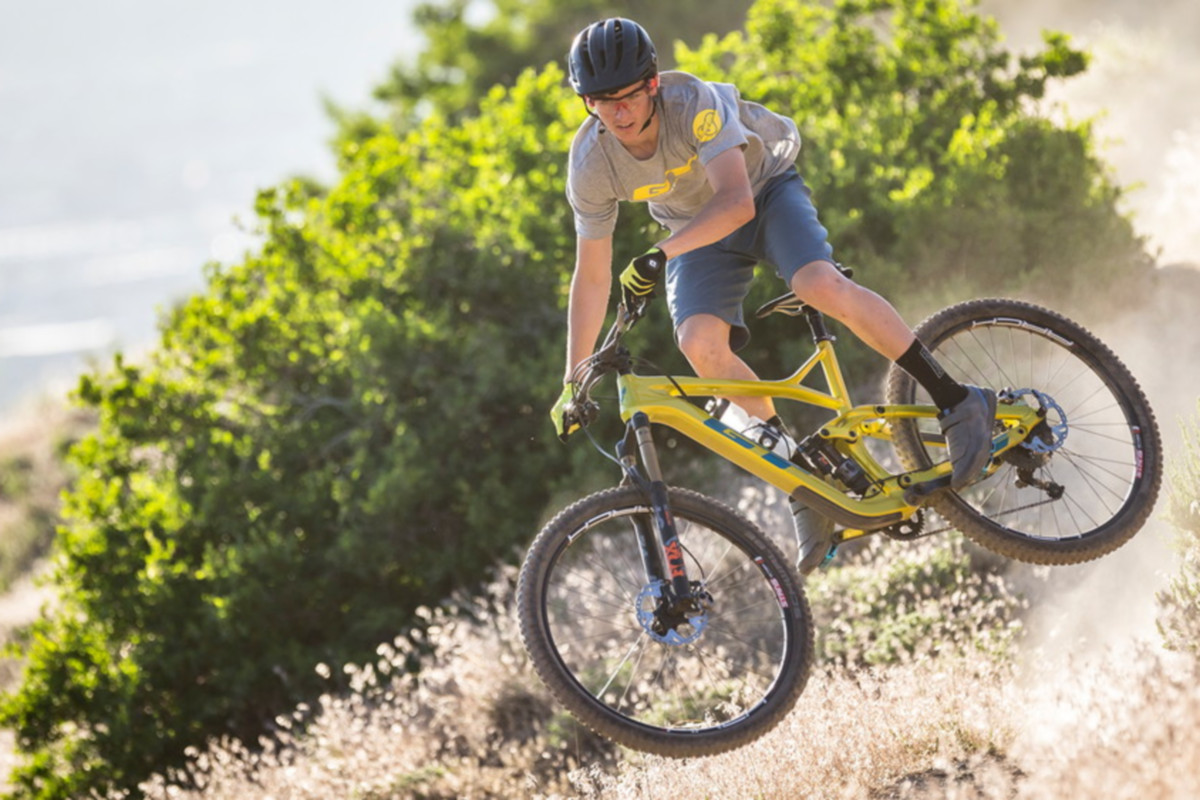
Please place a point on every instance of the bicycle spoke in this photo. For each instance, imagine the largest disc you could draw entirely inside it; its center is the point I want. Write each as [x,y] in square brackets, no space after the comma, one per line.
[632,676]
[1097,465]
[1096,458]
[753,647]
[620,598]
[617,671]
[593,612]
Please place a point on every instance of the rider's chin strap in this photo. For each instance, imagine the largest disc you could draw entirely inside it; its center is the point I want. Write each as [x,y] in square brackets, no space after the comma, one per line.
[653,111]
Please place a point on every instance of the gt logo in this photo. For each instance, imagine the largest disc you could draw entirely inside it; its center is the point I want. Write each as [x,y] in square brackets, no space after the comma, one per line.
[658,189]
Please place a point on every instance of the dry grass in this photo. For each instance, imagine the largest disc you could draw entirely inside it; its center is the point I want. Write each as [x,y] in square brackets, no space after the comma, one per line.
[878,733]
[1078,707]
[32,476]
[1125,726]
[1070,711]
[475,723]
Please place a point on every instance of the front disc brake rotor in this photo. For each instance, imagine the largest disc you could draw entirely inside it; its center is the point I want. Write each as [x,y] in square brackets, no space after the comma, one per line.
[664,625]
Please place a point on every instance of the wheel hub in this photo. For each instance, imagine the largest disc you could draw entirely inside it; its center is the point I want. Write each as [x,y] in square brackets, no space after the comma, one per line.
[672,622]
[1051,433]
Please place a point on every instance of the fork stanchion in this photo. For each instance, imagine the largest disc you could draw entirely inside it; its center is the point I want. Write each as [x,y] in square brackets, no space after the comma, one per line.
[663,519]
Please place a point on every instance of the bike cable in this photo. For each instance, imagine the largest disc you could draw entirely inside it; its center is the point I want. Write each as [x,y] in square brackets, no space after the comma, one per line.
[650,365]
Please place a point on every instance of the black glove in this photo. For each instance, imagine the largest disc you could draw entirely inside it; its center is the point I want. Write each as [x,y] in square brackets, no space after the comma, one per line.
[641,276]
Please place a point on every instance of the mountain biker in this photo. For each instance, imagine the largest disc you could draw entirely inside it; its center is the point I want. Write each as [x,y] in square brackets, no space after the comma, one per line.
[718,172]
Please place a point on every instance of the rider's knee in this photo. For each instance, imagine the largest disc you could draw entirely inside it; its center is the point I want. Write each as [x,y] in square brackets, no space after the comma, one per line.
[704,341]
[822,286]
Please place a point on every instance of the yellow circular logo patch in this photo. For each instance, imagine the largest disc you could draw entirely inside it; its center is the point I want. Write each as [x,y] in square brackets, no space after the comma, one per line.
[707,125]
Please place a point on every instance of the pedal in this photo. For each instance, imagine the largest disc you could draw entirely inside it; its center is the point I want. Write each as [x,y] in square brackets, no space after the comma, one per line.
[916,494]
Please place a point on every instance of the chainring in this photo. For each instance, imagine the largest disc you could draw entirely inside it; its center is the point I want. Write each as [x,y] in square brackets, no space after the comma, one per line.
[909,529]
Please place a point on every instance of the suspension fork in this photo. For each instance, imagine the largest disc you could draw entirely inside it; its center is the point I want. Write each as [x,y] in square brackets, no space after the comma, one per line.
[662,554]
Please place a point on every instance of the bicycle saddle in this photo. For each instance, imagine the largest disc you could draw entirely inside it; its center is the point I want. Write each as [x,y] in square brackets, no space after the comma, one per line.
[785,304]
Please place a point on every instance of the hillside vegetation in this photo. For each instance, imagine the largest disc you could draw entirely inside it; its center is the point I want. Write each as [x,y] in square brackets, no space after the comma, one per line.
[350,424]
[938,680]
[974,703]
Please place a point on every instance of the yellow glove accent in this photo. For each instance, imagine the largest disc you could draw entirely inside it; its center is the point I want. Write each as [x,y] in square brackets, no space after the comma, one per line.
[641,276]
[558,414]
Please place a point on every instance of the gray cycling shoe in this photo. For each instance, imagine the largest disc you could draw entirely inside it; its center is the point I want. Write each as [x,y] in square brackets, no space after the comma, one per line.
[968,430]
[814,534]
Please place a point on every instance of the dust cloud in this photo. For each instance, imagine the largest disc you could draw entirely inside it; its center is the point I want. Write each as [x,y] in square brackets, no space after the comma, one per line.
[1139,91]
[1140,88]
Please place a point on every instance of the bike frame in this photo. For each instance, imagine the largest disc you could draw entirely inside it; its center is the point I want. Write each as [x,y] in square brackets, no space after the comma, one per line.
[892,498]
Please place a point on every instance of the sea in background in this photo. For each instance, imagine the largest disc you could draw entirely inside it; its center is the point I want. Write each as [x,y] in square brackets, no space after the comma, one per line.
[134,134]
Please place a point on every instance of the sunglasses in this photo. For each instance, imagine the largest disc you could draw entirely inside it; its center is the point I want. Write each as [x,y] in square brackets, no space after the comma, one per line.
[611,101]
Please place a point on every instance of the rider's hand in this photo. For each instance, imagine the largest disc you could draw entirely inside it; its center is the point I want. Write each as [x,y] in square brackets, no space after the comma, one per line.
[564,424]
[641,276]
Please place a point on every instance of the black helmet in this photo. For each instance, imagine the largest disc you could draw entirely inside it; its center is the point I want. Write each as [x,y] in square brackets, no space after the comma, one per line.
[610,54]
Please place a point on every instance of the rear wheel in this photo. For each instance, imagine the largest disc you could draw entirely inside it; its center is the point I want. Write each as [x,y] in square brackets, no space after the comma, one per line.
[1088,477]
[675,684]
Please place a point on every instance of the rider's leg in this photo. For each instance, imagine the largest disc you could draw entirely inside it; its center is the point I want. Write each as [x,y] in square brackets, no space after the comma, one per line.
[966,411]
[866,314]
[704,340]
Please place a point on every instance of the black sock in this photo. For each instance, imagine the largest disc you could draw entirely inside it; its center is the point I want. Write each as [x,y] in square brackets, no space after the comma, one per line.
[920,363]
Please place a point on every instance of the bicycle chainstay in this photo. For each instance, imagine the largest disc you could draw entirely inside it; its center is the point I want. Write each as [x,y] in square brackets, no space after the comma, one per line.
[922,534]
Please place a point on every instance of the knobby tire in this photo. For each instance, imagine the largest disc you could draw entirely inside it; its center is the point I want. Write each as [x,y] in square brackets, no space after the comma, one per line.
[577,601]
[1108,463]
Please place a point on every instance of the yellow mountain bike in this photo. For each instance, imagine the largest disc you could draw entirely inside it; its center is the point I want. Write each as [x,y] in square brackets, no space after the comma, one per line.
[670,623]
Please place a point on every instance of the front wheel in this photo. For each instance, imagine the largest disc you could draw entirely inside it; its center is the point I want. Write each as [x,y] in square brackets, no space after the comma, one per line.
[1086,479]
[673,684]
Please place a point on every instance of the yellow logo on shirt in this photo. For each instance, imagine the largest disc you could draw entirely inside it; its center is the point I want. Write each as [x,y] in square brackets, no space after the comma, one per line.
[658,189]
[707,125]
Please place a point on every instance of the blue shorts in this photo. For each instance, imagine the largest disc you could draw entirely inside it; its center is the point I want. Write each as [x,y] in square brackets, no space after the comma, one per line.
[715,279]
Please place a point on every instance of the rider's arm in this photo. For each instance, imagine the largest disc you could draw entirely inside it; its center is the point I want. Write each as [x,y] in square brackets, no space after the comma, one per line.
[730,207]
[588,303]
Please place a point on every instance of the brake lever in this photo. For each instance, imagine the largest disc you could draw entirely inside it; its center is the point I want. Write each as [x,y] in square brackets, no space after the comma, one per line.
[581,414]
[587,412]
[627,317]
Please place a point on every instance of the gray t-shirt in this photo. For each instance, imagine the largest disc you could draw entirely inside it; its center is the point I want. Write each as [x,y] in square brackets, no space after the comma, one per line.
[699,121]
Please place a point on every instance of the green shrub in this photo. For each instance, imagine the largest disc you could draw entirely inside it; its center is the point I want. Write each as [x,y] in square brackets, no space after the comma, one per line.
[881,602]
[929,162]
[892,602]
[343,427]
[465,57]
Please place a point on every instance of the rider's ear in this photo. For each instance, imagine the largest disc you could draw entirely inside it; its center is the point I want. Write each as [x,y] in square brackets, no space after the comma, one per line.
[654,86]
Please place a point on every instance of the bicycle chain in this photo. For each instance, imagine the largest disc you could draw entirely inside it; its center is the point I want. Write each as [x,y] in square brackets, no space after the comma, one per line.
[1001,514]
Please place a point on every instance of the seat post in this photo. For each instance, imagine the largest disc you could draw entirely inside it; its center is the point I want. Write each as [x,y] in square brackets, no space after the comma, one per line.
[816,323]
